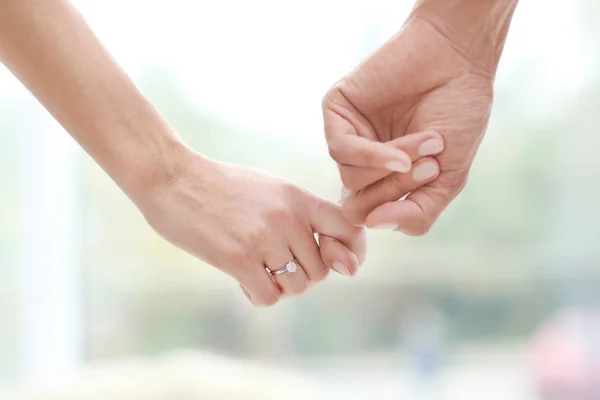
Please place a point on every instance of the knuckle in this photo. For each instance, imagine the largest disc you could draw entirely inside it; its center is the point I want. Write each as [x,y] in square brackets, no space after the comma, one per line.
[270,298]
[252,239]
[279,214]
[459,187]
[354,211]
[333,149]
[257,235]
[396,183]
[326,100]
[237,255]
[368,158]
[455,180]
[344,195]
[332,96]
[422,229]
[319,274]
[349,180]
[324,209]
[324,206]
[291,189]
[299,289]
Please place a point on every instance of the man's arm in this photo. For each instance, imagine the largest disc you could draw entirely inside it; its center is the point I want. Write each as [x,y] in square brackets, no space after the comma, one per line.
[51,49]
[477,29]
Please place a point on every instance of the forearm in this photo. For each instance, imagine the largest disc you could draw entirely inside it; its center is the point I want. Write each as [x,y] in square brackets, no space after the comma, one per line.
[50,48]
[476,28]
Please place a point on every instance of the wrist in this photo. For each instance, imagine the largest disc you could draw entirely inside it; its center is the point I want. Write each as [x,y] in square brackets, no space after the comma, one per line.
[144,169]
[179,175]
[161,173]
[477,30]
[142,153]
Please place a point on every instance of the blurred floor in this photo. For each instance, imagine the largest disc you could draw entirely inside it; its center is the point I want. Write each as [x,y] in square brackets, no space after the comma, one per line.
[478,372]
[475,372]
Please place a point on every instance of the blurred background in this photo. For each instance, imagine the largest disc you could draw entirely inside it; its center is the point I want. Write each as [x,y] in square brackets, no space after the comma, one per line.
[499,301]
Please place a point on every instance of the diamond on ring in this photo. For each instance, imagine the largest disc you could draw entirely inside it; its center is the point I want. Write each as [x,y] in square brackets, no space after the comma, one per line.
[290,267]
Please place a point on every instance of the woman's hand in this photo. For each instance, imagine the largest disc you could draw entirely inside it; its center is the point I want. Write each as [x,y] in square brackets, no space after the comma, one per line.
[243,221]
[237,219]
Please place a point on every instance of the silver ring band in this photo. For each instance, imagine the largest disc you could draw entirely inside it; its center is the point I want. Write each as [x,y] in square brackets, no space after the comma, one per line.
[290,268]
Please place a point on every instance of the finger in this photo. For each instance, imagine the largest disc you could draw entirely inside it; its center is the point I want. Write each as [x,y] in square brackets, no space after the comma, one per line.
[259,287]
[415,145]
[338,256]
[326,218]
[416,214]
[248,296]
[359,148]
[304,246]
[291,283]
[358,205]
[361,152]
[419,144]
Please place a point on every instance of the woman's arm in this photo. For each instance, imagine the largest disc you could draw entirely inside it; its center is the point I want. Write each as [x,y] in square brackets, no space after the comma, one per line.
[51,49]
[237,219]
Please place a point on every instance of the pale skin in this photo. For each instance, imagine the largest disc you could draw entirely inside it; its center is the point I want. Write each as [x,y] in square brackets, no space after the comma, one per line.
[243,221]
[436,76]
[240,220]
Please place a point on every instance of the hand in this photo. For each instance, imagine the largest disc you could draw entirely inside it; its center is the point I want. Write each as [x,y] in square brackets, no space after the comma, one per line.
[241,220]
[235,218]
[421,90]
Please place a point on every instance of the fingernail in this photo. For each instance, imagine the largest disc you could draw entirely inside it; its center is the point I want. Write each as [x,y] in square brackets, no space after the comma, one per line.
[397,166]
[386,225]
[425,171]
[341,268]
[431,146]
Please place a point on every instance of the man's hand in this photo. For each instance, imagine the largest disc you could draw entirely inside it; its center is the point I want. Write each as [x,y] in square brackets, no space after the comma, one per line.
[434,78]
